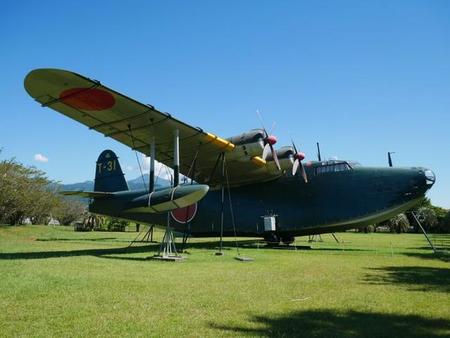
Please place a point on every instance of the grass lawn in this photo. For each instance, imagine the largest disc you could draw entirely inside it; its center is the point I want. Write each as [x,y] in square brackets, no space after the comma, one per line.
[57,282]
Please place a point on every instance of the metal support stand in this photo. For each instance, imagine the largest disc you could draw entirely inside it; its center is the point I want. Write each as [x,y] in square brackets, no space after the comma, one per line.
[148,237]
[315,238]
[423,230]
[167,249]
[335,238]
[184,241]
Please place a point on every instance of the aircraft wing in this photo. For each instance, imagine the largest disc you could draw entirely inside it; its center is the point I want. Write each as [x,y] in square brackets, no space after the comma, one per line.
[133,124]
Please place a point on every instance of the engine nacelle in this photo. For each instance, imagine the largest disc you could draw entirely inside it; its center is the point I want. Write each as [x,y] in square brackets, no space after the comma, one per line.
[252,136]
[285,157]
[247,144]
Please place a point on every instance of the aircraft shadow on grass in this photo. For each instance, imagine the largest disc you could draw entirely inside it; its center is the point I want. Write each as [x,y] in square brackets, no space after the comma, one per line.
[329,323]
[441,254]
[150,248]
[101,239]
[415,278]
[441,244]
[75,253]
[153,248]
[428,248]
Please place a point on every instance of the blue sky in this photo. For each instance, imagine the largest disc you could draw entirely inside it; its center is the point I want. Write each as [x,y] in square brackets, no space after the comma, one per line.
[363,78]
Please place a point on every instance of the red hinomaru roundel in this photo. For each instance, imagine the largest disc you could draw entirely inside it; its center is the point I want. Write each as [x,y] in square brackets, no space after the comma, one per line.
[89,99]
[186,214]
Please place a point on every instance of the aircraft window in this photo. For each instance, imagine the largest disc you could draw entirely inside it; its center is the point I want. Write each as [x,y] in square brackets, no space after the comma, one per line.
[335,167]
[354,164]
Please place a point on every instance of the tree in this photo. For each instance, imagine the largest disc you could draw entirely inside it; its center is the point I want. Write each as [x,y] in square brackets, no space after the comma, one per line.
[398,224]
[68,211]
[425,210]
[115,224]
[427,217]
[367,229]
[444,223]
[25,192]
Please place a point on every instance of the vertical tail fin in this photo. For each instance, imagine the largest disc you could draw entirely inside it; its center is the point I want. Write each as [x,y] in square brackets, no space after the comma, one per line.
[108,174]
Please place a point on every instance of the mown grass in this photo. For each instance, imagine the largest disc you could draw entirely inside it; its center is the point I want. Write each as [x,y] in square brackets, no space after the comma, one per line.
[57,282]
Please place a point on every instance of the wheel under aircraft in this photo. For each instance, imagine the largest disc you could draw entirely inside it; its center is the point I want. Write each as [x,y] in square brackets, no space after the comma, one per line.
[243,185]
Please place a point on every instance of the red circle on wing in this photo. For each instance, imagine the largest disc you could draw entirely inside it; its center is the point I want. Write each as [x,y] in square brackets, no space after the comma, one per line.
[184,215]
[90,99]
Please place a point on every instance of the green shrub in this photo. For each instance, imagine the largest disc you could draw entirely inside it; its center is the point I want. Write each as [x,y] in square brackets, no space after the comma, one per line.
[115,224]
[427,217]
[398,224]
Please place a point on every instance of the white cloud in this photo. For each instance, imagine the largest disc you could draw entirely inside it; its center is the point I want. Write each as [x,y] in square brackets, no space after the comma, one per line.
[145,163]
[40,158]
[129,168]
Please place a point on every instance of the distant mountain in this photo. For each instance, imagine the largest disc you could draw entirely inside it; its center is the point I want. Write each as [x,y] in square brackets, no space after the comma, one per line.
[136,184]
[133,184]
[86,185]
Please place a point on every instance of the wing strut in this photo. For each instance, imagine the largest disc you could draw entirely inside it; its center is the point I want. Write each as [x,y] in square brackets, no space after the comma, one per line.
[137,158]
[151,183]
[176,158]
[213,171]
[222,188]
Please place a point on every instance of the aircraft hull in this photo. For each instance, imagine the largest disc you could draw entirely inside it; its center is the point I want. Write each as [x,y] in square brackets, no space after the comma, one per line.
[327,203]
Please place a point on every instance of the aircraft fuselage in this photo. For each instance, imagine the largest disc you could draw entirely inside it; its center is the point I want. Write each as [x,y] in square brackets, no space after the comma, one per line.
[335,198]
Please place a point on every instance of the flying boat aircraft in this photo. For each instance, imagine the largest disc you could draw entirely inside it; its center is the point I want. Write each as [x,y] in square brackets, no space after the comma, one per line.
[239,185]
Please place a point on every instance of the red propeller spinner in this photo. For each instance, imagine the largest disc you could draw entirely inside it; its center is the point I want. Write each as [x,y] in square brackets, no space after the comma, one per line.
[269,141]
[298,158]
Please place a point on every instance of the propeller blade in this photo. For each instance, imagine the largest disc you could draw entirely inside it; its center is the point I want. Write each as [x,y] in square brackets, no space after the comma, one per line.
[295,167]
[293,145]
[266,151]
[298,162]
[274,126]
[275,157]
[302,168]
[261,121]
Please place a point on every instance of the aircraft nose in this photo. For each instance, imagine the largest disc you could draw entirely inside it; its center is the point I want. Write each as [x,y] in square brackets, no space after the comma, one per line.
[430,177]
[425,178]
[421,181]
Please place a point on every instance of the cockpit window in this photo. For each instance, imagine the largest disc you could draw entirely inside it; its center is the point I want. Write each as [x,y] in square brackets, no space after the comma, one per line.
[354,164]
[332,166]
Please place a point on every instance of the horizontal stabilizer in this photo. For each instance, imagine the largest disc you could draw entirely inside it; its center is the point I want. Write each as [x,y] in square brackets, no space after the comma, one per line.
[87,194]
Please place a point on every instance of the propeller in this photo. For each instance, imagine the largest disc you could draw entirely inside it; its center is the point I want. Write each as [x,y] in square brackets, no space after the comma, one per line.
[298,158]
[269,141]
